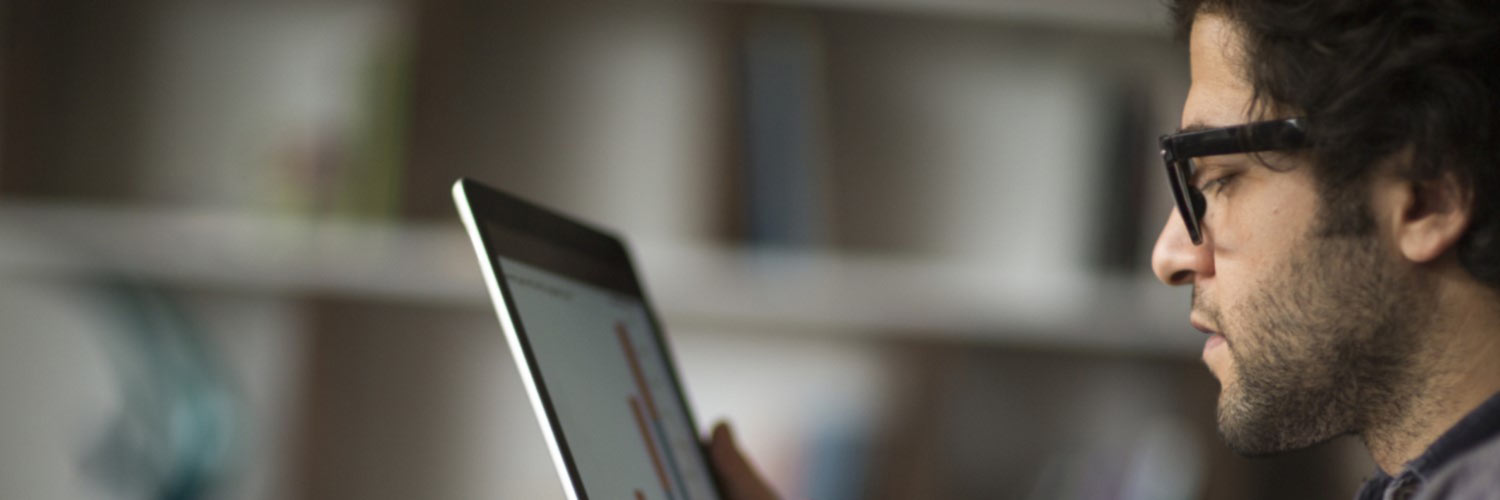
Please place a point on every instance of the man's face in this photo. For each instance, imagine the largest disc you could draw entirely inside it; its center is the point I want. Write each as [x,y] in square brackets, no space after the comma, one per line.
[1309,329]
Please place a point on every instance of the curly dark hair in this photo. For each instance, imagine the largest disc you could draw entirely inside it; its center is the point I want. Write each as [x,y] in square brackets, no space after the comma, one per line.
[1376,79]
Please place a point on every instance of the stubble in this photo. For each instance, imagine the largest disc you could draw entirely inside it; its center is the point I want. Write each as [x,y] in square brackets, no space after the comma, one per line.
[1325,348]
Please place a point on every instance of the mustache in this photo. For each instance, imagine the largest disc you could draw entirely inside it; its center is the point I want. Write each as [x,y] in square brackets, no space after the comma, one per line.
[1206,308]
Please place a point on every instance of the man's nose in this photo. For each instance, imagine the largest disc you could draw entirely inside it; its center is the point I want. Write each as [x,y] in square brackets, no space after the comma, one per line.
[1175,259]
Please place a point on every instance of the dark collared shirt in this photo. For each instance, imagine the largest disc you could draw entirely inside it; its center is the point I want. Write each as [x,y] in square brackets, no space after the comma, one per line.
[1463,463]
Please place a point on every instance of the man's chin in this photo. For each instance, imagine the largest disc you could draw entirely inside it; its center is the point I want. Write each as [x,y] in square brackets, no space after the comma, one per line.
[1244,442]
[1257,435]
[1262,449]
[1237,430]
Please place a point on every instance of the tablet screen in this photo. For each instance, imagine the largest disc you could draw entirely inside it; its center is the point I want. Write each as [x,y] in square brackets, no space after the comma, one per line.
[623,422]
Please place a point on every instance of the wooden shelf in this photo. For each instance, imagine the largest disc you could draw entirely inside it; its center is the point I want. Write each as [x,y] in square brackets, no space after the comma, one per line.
[694,285]
[248,252]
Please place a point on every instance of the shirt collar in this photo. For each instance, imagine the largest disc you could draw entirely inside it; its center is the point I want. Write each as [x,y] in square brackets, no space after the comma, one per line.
[1478,426]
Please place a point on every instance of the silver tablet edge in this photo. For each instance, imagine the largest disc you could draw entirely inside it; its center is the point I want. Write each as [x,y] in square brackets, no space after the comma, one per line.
[466,212]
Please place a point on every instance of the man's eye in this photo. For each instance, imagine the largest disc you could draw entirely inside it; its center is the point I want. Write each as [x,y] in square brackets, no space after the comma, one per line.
[1218,184]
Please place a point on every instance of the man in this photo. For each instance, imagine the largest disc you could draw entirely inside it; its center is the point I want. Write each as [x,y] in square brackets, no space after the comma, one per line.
[1344,250]
[1337,180]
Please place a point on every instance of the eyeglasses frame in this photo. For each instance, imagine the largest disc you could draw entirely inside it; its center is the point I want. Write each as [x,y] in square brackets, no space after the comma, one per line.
[1178,149]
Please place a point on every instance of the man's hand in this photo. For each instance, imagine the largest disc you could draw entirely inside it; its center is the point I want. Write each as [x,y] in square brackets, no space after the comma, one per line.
[740,481]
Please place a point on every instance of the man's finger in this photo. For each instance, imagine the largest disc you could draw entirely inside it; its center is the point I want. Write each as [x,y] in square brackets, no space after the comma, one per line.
[741,482]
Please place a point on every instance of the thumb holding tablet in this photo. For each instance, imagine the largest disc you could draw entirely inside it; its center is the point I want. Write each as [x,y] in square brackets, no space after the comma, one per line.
[736,475]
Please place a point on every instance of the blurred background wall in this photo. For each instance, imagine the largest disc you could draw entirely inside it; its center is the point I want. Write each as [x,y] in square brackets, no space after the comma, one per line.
[901,244]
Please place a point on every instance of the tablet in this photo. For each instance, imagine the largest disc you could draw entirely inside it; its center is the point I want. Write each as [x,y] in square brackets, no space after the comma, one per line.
[590,351]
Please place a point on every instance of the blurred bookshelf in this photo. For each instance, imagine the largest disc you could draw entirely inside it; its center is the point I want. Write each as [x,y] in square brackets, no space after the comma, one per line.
[902,244]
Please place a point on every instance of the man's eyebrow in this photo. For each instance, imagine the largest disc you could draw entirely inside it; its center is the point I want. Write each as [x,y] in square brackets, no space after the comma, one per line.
[1196,127]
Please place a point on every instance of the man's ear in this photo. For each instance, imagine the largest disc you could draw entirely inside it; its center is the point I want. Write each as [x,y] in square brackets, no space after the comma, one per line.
[1429,216]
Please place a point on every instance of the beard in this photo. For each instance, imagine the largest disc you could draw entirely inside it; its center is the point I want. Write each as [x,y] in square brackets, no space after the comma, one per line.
[1324,349]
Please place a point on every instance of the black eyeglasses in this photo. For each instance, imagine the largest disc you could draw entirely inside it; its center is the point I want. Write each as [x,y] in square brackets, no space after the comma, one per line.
[1179,150]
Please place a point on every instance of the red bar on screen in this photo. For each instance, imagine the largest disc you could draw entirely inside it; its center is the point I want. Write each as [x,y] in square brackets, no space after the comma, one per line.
[640,422]
[635,369]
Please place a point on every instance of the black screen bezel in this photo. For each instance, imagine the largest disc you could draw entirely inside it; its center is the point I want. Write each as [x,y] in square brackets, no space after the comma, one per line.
[524,231]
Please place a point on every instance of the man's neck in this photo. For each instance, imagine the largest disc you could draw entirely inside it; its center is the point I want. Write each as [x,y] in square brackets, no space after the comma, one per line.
[1456,373]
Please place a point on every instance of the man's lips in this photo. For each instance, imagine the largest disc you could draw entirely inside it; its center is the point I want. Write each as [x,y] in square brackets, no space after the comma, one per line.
[1206,327]
[1215,338]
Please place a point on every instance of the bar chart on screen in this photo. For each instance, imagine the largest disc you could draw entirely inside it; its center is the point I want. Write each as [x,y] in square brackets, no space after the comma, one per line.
[616,401]
[672,454]
[650,424]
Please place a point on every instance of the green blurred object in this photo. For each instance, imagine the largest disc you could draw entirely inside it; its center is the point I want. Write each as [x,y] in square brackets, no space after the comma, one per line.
[175,435]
